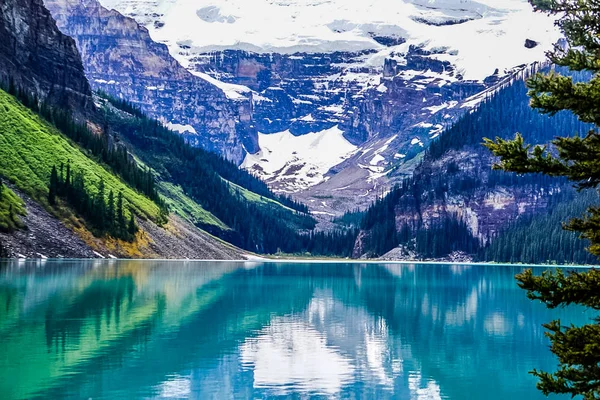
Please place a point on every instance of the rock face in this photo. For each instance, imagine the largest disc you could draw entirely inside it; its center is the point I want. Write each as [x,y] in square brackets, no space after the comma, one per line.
[45,236]
[471,192]
[40,58]
[311,92]
[455,181]
[470,195]
[121,59]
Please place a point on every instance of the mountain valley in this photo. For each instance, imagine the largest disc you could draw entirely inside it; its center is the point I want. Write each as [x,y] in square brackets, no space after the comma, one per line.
[339,133]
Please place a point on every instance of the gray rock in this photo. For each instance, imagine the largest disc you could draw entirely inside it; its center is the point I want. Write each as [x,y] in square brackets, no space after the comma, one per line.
[39,58]
[121,59]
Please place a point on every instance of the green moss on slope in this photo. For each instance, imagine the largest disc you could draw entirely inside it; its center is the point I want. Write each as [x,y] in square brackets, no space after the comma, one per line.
[257,199]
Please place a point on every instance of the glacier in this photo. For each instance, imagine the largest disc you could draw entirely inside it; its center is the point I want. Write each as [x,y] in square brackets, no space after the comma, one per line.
[293,163]
[479,36]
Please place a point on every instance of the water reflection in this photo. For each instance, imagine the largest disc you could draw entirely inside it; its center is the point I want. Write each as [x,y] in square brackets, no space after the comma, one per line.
[131,329]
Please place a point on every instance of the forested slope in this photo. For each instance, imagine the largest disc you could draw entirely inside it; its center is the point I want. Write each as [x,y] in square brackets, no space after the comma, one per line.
[98,204]
[455,202]
[254,217]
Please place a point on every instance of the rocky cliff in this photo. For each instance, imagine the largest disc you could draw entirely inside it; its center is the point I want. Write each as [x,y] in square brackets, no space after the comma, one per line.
[121,59]
[45,64]
[389,114]
[39,58]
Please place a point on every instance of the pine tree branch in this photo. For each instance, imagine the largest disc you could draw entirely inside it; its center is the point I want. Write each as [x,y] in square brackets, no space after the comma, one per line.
[578,158]
[555,289]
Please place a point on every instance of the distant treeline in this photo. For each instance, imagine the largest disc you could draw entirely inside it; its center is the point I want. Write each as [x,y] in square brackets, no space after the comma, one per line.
[502,115]
[541,239]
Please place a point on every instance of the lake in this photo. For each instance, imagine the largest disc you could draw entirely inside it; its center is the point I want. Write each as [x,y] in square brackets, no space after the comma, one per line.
[183,329]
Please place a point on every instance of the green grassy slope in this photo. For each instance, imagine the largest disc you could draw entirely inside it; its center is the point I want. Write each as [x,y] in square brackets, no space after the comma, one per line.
[293,218]
[29,147]
[258,199]
[185,207]
[11,206]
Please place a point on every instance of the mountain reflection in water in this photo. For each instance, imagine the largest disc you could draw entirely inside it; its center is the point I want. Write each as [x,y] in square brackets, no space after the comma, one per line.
[182,329]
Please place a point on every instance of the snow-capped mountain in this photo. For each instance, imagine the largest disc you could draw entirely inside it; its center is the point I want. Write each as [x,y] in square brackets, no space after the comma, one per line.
[476,36]
[337,94]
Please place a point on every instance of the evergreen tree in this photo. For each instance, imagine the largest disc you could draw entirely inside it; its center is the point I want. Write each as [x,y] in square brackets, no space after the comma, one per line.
[68,177]
[578,159]
[120,215]
[110,211]
[131,228]
[100,214]
[100,207]
[53,186]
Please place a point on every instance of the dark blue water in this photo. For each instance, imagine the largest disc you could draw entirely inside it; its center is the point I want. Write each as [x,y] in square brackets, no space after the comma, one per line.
[154,329]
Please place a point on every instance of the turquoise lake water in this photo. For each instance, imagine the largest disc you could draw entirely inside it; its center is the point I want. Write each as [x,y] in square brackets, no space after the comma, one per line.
[207,330]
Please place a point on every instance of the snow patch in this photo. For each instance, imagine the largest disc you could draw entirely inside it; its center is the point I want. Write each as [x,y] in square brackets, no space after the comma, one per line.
[104,82]
[377,159]
[298,161]
[416,141]
[232,91]
[98,254]
[181,128]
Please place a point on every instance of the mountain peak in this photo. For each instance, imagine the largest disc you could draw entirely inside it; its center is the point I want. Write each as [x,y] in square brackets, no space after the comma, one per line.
[478,36]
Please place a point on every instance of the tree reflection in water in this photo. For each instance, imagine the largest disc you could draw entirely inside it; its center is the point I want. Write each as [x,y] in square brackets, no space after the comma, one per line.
[75,329]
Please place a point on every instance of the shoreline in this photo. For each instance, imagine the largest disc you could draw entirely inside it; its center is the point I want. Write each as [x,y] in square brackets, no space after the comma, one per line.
[257,260]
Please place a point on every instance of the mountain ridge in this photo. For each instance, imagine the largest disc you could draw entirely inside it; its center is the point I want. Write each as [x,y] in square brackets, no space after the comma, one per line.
[120,59]
[456,203]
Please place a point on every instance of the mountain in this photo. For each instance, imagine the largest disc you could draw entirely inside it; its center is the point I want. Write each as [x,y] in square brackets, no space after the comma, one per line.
[329,26]
[132,149]
[455,202]
[121,59]
[86,175]
[389,77]
[30,148]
